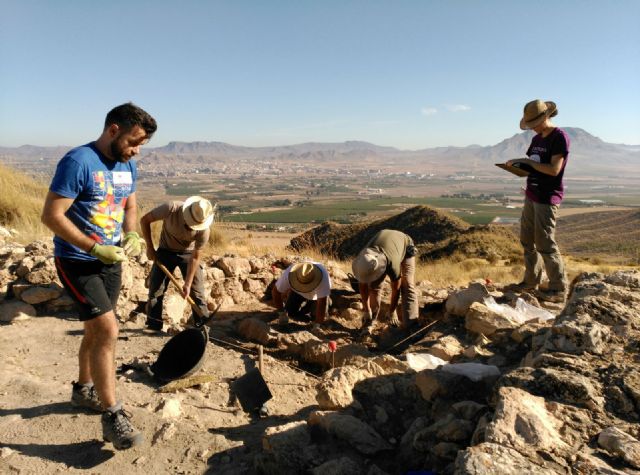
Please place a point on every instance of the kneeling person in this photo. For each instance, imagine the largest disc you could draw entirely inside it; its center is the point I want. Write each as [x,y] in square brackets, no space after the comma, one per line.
[185,231]
[298,287]
[389,253]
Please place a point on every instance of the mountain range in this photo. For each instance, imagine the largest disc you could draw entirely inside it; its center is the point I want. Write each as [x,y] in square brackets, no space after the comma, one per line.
[595,155]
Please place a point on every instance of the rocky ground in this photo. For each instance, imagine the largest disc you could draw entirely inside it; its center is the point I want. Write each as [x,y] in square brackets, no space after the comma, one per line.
[483,386]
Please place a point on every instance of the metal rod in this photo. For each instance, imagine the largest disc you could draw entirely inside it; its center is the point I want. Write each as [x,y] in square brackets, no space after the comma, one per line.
[412,335]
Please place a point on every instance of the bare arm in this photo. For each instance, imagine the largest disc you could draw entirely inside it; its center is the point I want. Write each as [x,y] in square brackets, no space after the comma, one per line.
[395,295]
[364,293]
[276,298]
[53,216]
[191,271]
[145,227]
[130,214]
[551,169]
[321,309]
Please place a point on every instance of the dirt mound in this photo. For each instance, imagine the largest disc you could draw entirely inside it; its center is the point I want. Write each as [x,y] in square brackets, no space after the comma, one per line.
[436,234]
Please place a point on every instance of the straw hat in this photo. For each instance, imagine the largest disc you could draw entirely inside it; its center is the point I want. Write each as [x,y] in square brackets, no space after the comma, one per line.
[536,112]
[369,265]
[198,213]
[305,277]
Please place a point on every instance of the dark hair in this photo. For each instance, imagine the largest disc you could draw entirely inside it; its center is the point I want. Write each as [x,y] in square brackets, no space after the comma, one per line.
[127,115]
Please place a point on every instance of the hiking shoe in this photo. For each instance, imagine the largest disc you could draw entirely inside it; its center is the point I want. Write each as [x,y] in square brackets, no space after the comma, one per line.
[117,429]
[556,296]
[521,287]
[85,397]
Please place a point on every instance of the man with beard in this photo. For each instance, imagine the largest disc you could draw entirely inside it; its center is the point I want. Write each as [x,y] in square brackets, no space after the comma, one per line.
[91,208]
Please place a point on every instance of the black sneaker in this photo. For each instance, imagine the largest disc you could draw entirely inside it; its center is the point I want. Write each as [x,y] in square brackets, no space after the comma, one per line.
[85,397]
[117,429]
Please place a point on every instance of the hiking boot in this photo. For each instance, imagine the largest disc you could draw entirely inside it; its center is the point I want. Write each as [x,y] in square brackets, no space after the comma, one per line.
[117,429]
[521,287]
[85,397]
[556,296]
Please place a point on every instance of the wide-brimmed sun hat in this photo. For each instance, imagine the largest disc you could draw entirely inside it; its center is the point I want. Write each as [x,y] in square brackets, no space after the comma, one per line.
[198,213]
[369,265]
[535,112]
[305,277]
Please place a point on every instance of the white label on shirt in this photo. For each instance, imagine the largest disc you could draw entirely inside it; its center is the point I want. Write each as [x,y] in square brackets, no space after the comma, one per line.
[535,158]
[122,178]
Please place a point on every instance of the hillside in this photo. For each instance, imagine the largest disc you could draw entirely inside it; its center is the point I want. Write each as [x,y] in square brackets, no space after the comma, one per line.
[21,201]
[603,235]
[436,234]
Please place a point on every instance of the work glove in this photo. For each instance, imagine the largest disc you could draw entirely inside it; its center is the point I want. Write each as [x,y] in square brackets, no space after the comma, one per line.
[132,244]
[108,254]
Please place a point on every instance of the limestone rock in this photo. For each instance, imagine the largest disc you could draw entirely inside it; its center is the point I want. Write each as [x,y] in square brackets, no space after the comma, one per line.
[38,294]
[577,334]
[522,422]
[446,348]
[257,330]
[350,429]
[459,302]
[620,444]
[234,266]
[15,310]
[494,459]
[286,444]
[480,319]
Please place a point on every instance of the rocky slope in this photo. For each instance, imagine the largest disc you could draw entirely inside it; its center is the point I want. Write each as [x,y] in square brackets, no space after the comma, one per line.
[496,386]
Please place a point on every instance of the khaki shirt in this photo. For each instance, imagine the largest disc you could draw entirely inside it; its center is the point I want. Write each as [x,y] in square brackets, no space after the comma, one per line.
[393,244]
[175,235]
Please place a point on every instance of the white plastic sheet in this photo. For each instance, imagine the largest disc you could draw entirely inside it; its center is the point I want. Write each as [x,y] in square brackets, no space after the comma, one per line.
[420,361]
[523,311]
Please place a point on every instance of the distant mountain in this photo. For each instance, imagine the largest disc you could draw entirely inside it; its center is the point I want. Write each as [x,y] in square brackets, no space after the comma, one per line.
[594,155]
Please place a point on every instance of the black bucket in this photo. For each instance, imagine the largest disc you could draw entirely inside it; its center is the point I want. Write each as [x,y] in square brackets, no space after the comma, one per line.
[182,355]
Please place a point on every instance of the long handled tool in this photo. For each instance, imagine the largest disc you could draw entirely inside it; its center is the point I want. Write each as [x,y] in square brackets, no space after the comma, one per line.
[179,287]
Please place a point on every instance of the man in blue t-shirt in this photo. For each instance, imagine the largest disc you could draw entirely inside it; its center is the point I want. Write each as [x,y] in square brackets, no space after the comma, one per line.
[547,159]
[90,204]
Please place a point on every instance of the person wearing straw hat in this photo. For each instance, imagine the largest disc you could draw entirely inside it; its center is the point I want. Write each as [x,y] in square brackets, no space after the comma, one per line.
[547,156]
[185,231]
[297,288]
[391,253]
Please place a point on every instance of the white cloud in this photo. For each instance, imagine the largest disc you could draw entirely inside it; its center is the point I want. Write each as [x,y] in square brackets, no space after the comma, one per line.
[458,108]
[429,110]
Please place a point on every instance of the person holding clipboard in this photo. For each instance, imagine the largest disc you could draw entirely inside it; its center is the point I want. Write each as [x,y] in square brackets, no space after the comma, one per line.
[544,168]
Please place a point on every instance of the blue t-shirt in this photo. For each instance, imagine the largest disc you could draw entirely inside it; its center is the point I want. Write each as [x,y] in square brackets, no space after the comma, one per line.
[99,188]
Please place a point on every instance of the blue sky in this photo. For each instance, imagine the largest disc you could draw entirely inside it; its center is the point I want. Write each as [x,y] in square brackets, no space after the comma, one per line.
[409,74]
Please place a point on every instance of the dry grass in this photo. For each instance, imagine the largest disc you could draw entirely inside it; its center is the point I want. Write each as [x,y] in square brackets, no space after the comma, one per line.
[21,202]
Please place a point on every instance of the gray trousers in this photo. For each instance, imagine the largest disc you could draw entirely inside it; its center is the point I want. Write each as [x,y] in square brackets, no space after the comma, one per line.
[408,292]
[158,282]
[538,239]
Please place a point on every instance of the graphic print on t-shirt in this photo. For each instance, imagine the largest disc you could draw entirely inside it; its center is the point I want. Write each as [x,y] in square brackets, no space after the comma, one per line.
[110,192]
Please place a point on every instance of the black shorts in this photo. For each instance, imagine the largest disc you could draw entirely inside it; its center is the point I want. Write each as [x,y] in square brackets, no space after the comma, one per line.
[94,286]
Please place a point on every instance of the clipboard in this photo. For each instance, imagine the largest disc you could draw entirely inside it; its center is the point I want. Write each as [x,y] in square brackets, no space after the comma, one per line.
[519,169]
